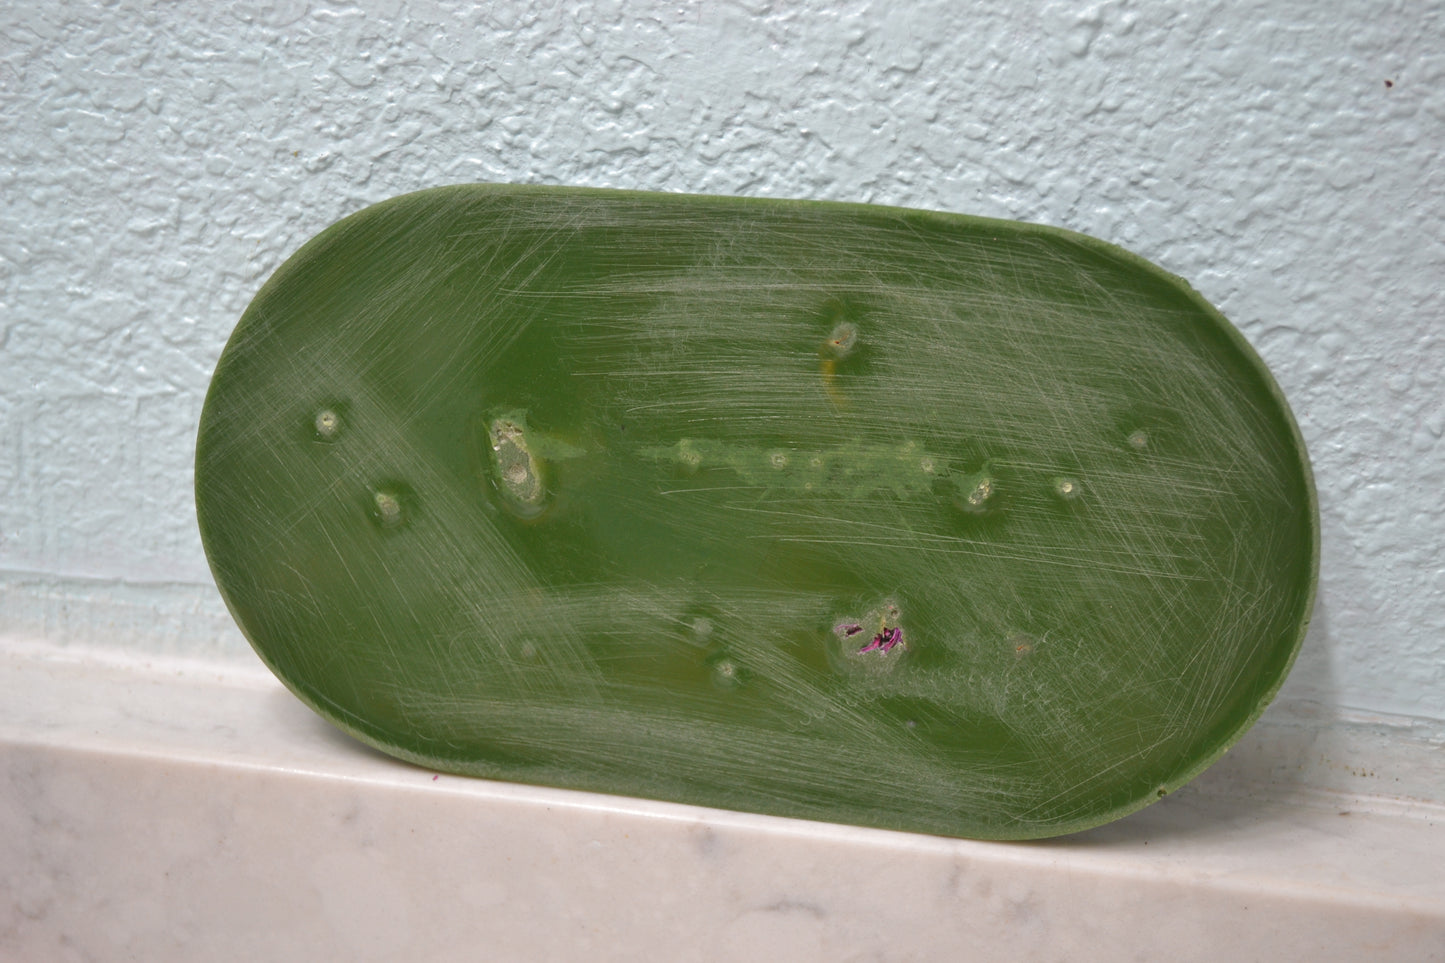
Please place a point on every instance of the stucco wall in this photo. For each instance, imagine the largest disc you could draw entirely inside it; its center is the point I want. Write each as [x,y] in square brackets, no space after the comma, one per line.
[158,161]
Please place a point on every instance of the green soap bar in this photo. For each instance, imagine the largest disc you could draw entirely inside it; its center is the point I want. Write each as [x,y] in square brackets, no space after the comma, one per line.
[832,511]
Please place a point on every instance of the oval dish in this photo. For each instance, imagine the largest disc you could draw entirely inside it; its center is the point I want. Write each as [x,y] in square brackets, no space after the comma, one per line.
[851,513]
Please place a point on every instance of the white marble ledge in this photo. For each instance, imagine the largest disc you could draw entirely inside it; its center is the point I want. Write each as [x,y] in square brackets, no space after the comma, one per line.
[170,813]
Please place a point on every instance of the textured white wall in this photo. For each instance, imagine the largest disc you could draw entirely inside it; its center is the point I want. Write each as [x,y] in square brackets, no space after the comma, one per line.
[158,160]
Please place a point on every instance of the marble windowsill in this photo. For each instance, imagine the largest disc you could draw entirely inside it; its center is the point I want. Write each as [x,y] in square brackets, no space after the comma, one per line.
[192,811]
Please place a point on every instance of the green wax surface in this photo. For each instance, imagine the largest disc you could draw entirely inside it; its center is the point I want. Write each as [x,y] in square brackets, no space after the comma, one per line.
[850,513]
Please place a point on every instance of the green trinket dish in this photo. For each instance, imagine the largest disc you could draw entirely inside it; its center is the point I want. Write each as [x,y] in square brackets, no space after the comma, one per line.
[840,512]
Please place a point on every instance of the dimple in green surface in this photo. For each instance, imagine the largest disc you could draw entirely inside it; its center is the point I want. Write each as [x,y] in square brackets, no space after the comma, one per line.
[850,513]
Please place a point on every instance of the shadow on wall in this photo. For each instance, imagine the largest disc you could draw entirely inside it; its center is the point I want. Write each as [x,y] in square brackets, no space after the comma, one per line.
[1312,679]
